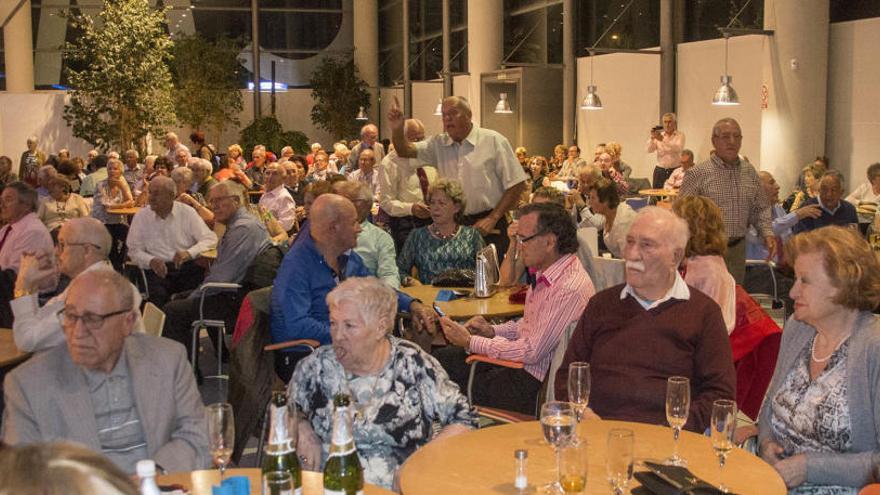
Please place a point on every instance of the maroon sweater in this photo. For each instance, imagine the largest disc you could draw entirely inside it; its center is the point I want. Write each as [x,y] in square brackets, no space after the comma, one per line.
[632,351]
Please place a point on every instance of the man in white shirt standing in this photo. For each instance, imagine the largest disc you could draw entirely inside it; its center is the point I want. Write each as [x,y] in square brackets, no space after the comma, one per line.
[366,171]
[164,239]
[277,200]
[668,143]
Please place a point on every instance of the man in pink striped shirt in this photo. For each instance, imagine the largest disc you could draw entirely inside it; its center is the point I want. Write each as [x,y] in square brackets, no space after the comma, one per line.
[547,243]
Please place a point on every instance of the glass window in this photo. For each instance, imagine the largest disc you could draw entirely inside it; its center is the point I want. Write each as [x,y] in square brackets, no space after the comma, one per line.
[638,27]
[704,17]
[850,10]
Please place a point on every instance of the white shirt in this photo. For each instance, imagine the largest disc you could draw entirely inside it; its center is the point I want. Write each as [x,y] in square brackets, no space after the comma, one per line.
[153,237]
[281,204]
[668,149]
[399,186]
[483,162]
[864,194]
[36,328]
[679,290]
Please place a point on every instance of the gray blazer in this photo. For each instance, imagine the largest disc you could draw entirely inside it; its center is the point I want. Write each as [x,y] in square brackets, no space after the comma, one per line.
[863,368]
[47,399]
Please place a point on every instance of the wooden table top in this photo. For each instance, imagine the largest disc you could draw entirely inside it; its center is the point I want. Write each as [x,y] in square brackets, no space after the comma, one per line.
[497,306]
[200,482]
[481,461]
[657,192]
[124,211]
[9,353]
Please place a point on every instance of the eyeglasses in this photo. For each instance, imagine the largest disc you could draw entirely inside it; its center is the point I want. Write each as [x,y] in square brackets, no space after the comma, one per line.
[63,245]
[522,240]
[90,320]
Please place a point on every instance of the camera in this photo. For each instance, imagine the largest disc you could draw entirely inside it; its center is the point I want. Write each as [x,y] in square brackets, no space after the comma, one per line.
[657,128]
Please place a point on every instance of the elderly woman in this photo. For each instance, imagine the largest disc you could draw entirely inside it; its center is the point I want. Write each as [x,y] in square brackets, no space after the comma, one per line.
[183,180]
[7,176]
[539,171]
[230,170]
[703,266]
[558,158]
[234,154]
[820,423]
[113,192]
[61,205]
[808,187]
[615,149]
[605,201]
[587,176]
[381,373]
[606,163]
[445,243]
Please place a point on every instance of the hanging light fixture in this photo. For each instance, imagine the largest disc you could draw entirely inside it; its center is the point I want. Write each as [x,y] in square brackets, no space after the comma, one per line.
[362,115]
[503,106]
[726,95]
[439,110]
[592,100]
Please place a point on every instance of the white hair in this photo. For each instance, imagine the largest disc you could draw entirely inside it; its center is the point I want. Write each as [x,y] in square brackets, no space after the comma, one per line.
[373,298]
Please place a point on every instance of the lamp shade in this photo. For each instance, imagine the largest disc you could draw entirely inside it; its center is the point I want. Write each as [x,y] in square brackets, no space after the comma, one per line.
[592,100]
[726,95]
[362,115]
[502,106]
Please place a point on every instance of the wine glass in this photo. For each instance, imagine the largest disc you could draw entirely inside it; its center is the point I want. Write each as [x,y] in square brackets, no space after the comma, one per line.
[221,434]
[678,402]
[579,389]
[558,423]
[723,426]
[619,459]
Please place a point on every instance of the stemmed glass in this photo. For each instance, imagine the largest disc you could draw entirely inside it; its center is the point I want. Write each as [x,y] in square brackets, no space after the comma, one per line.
[221,434]
[723,426]
[619,459]
[579,389]
[678,403]
[558,424]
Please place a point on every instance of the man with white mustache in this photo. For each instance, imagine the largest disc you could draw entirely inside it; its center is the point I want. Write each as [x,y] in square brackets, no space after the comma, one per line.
[638,334]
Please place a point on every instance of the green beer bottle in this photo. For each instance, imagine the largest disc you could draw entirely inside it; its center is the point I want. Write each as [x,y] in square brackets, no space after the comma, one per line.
[343,474]
[280,451]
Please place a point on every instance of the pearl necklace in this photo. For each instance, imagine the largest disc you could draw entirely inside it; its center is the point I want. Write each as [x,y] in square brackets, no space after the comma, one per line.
[826,358]
[444,237]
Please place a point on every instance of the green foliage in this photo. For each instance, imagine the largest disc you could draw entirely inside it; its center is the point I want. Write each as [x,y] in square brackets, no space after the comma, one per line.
[122,90]
[207,79]
[268,131]
[338,92]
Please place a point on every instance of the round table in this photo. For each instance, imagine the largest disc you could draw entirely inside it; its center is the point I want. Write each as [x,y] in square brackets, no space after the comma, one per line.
[130,211]
[200,482]
[10,355]
[497,306]
[481,461]
[660,193]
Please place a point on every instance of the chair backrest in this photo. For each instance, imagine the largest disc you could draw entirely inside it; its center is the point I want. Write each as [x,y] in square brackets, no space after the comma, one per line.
[154,319]
[549,384]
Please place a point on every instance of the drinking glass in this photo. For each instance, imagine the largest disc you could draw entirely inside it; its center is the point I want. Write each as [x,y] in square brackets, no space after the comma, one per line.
[678,403]
[277,483]
[619,459]
[579,389]
[558,424]
[723,426]
[221,434]
[573,470]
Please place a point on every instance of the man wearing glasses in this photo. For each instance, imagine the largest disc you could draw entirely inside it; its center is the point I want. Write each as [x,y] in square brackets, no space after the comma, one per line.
[83,245]
[130,397]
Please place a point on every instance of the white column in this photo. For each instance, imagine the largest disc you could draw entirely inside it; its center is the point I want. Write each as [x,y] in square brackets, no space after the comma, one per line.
[796,74]
[19,50]
[485,36]
[366,49]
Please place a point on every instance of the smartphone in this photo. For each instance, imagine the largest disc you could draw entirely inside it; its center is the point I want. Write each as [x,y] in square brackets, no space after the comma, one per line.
[438,310]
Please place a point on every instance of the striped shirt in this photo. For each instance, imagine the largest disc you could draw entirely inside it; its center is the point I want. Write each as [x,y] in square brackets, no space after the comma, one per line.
[558,298]
[120,432]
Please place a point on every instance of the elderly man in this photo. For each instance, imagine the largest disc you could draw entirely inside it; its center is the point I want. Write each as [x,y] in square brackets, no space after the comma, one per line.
[181,158]
[668,143]
[277,200]
[834,211]
[31,161]
[245,238]
[673,183]
[547,241]
[374,245]
[164,240]
[369,141]
[403,187]
[654,326]
[782,223]
[130,397]
[732,183]
[366,172]
[83,245]
[481,159]
[173,144]
[22,231]
[317,262]
[91,181]
[321,169]
[134,171]
[257,166]
[203,181]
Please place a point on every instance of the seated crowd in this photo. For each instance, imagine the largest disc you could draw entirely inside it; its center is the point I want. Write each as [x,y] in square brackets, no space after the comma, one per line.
[341,236]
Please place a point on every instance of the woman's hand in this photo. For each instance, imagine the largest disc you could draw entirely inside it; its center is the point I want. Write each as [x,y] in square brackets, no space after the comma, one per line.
[308,445]
[793,470]
[771,452]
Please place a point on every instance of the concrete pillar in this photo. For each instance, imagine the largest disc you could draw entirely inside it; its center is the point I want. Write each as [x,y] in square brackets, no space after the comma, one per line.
[19,49]
[795,71]
[485,36]
[667,58]
[366,49]
[569,73]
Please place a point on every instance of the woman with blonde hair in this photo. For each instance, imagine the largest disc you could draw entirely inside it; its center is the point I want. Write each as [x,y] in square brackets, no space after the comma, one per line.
[235,155]
[558,158]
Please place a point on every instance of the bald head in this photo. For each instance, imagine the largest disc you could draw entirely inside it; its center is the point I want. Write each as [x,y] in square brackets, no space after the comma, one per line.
[91,230]
[334,224]
[414,130]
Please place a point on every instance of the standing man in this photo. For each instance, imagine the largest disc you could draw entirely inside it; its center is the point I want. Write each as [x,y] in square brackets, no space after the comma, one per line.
[366,172]
[481,159]
[668,143]
[369,141]
[134,171]
[403,188]
[733,184]
[172,142]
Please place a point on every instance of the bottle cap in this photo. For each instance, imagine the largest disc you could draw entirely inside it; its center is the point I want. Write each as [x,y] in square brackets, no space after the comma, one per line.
[521,454]
[145,468]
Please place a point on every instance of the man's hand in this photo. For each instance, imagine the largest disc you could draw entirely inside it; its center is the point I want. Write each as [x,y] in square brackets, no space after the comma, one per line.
[808,211]
[485,225]
[158,267]
[455,333]
[512,230]
[423,317]
[771,452]
[770,243]
[181,257]
[420,210]
[479,326]
[793,470]
[36,272]
[395,115]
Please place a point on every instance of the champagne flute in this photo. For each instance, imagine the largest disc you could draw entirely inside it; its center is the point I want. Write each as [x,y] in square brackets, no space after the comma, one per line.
[678,403]
[723,426]
[579,388]
[619,459]
[221,434]
[558,423]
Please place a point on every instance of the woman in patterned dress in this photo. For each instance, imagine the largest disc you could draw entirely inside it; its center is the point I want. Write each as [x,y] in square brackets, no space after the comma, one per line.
[820,422]
[398,391]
